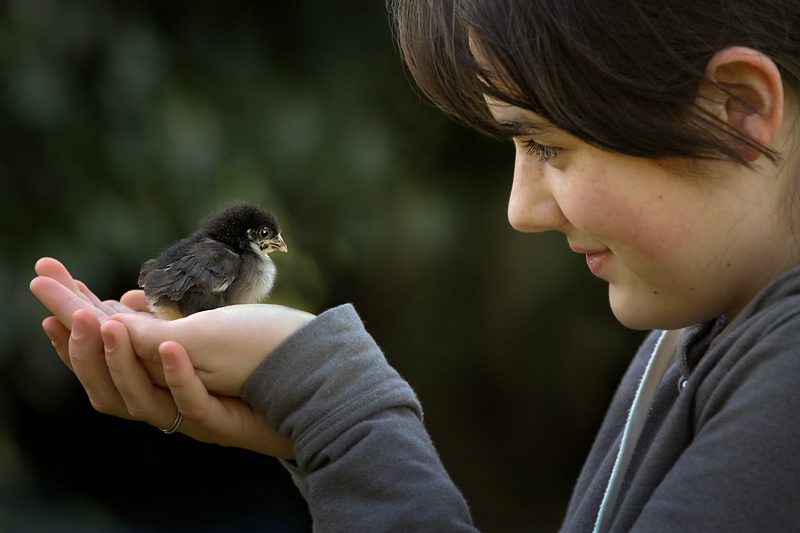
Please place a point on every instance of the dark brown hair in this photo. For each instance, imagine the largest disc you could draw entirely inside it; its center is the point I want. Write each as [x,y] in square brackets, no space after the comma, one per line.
[623,75]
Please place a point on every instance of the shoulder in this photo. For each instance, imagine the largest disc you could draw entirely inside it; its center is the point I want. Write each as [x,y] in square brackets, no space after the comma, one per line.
[773,315]
[755,365]
[767,336]
[737,432]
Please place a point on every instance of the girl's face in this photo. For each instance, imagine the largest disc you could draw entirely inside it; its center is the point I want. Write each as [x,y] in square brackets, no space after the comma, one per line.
[677,242]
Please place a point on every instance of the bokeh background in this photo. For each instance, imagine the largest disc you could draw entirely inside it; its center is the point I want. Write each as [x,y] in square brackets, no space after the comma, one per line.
[123,123]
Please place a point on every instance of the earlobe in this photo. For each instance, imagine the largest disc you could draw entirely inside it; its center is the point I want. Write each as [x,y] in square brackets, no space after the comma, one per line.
[750,86]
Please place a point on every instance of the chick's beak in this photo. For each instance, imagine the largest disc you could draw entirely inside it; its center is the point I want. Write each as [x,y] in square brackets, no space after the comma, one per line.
[276,243]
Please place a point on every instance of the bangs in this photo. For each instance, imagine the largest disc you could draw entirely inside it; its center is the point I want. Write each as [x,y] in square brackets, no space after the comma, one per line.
[460,51]
[438,42]
[623,76]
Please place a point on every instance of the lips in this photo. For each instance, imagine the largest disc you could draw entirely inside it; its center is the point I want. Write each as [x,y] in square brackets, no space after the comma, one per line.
[596,259]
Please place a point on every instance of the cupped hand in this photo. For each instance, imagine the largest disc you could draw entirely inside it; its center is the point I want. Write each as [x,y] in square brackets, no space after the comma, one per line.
[137,367]
[225,344]
[206,417]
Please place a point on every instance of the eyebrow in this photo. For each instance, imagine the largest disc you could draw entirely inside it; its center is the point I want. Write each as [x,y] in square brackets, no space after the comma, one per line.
[517,128]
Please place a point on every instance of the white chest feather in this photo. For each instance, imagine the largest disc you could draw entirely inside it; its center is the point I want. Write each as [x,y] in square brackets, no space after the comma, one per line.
[255,281]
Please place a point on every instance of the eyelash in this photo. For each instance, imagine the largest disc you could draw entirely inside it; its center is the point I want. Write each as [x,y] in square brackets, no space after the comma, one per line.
[542,152]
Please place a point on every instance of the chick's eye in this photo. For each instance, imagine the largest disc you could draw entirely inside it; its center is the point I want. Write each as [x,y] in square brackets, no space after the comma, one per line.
[265,233]
[542,152]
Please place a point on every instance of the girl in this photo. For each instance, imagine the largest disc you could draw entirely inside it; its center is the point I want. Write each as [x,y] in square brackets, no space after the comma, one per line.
[661,139]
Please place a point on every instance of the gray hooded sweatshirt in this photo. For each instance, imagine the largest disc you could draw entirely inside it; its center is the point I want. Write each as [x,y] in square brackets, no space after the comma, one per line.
[719,452]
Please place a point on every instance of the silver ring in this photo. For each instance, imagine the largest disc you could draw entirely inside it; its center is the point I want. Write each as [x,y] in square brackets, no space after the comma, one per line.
[174,427]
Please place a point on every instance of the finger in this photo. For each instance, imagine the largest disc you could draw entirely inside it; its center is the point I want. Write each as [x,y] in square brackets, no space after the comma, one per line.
[94,300]
[226,421]
[143,400]
[155,371]
[254,432]
[190,395]
[61,301]
[135,300]
[146,333]
[51,268]
[59,338]
[87,359]
[117,307]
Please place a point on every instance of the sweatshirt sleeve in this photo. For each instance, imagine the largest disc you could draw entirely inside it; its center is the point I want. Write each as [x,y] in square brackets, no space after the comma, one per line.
[364,461]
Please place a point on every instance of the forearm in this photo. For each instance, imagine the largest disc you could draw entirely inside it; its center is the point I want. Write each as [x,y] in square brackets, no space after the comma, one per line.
[363,458]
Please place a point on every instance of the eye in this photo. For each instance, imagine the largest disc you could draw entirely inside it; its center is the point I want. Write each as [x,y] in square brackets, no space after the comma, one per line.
[542,152]
[265,233]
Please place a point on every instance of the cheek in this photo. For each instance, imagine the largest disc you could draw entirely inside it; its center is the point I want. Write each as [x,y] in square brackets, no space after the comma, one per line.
[628,220]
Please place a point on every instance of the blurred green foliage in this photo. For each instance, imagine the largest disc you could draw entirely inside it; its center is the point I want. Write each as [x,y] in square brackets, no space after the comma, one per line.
[123,123]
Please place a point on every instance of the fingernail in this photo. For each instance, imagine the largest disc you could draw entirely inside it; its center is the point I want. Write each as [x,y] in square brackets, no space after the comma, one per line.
[108,340]
[167,361]
[78,329]
[52,340]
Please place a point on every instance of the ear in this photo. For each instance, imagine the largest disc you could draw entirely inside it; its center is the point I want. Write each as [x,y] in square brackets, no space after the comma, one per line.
[749,88]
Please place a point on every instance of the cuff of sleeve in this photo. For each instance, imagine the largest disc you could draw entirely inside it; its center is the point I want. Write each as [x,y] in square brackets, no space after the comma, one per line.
[324,379]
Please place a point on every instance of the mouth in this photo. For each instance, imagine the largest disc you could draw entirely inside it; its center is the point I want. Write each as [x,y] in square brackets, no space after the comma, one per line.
[596,259]
[275,244]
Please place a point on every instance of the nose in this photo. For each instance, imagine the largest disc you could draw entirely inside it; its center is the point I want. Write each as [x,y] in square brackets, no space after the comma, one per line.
[532,206]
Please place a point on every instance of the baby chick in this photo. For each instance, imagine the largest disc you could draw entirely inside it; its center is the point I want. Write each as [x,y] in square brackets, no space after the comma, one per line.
[225,263]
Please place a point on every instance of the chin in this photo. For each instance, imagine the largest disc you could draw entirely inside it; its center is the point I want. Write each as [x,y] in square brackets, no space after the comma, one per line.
[641,313]
[645,309]
[636,322]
